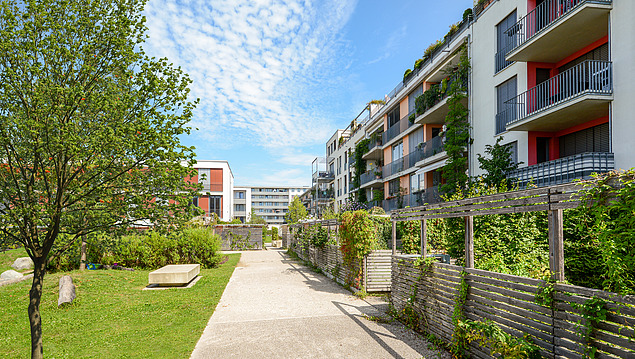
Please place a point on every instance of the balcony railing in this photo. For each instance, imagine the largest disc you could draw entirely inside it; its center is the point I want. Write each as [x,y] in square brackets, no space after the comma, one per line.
[499,58]
[428,195]
[540,18]
[436,94]
[430,148]
[588,77]
[374,144]
[323,175]
[369,176]
[564,170]
[212,187]
[396,129]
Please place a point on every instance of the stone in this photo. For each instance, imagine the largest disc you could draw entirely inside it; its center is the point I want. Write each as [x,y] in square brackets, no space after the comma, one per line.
[174,274]
[67,290]
[22,263]
[10,274]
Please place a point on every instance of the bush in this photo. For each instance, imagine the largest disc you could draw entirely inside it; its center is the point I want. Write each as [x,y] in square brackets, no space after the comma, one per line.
[147,250]
[274,234]
[410,234]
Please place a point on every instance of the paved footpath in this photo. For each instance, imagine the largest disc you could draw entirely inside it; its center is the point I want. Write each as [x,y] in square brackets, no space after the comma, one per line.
[274,307]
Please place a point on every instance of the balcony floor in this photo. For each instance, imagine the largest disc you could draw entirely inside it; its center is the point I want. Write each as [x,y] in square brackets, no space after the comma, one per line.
[565,115]
[566,35]
[375,153]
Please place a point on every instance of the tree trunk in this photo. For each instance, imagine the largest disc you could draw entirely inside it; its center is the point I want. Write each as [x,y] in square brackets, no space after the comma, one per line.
[82,261]
[35,295]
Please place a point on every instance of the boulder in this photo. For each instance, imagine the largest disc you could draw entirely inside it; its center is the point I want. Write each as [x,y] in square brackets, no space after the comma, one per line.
[22,263]
[10,274]
[67,290]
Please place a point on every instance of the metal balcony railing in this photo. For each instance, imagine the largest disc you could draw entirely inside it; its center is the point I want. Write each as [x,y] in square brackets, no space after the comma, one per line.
[564,170]
[393,167]
[499,58]
[588,77]
[373,144]
[396,129]
[430,148]
[428,195]
[369,176]
[542,17]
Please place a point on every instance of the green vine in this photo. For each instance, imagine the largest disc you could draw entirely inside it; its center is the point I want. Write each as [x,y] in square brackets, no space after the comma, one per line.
[360,167]
[457,134]
[459,339]
[500,343]
[593,311]
[545,292]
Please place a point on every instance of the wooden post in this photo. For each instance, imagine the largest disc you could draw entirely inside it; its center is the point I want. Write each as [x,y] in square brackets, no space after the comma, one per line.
[556,243]
[424,238]
[469,242]
[365,271]
[394,238]
[82,260]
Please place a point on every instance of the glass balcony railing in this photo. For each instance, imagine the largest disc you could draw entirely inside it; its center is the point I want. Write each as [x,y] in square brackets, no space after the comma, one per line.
[424,150]
[588,77]
[369,176]
[564,170]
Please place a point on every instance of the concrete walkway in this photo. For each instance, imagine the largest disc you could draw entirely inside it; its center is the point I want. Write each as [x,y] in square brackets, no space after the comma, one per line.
[275,308]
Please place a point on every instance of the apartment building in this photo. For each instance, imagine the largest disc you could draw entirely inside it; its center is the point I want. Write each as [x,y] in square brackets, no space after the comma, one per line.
[558,87]
[269,202]
[553,77]
[218,183]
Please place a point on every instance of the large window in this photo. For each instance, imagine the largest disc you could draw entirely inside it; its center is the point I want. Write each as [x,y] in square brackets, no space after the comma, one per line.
[239,195]
[412,97]
[215,205]
[393,187]
[505,40]
[393,116]
[240,208]
[594,139]
[505,111]
[414,139]
[397,151]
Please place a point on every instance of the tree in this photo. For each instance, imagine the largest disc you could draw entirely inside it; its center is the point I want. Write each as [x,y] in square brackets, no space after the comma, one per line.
[498,165]
[89,128]
[296,212]
[255,219]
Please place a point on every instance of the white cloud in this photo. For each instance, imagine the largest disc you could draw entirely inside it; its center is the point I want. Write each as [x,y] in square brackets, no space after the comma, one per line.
[255,65]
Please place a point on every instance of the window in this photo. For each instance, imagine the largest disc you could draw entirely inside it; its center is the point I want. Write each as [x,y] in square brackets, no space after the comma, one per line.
[505,111]
[414,139]
[600,53]
[239,195]
[412,98]
[240,208]
[513,149]
[393,116]
[397,151]
[393,187]
[215,205]
[195,201]
[505,40]
[204,176]
[594,139]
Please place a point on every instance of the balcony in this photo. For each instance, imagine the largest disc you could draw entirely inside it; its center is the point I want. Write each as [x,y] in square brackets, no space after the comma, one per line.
[419,198]
[373,151]
[371,178]
[580,94]
[212,187]
[564,170]
[323,176]
[396,129]
[351,187]
[323,195]
[429,149]
[432,107]
[556,29]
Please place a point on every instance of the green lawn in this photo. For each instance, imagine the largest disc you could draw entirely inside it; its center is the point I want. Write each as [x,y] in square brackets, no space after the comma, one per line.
[7,258]
[267,238]
[112,317]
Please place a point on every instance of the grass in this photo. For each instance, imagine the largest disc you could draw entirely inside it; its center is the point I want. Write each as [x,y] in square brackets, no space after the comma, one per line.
[112,317]
[7,258]
[267,238]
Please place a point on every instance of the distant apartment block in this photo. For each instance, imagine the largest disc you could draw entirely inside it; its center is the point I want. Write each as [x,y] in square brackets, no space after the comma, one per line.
[553,77]
[269,202]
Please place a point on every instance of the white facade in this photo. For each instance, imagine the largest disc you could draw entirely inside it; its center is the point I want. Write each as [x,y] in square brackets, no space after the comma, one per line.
[214,189]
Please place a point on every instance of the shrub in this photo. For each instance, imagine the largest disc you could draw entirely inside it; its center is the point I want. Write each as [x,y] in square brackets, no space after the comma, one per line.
[410,234]
[147,250]
[274,234]
[318,236]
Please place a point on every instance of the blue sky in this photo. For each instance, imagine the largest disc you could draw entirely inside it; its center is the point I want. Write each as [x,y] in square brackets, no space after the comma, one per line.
[276,78]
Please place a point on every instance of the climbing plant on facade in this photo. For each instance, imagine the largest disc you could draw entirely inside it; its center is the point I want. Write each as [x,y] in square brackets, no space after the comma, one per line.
[360,167]
[457,134]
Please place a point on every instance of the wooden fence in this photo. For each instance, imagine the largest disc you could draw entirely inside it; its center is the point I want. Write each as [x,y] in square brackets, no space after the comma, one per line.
[509,301]
[376,267]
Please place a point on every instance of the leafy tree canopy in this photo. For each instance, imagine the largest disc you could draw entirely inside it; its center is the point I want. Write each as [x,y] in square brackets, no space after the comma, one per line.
[89,127]
[296,212]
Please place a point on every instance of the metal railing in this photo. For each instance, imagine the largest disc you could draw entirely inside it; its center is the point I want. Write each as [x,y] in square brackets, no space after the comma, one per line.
[393,167]
[326,175]
[564,170]
[369,176]
[396,129]
[500,61]
[588,77]
[544,15]
[421,107]
[373,144]
[431,147]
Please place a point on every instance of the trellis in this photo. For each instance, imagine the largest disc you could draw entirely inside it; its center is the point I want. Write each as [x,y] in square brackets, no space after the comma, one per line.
[551,199]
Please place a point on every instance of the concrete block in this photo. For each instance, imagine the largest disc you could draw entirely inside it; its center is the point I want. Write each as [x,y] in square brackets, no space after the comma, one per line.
[174,274]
